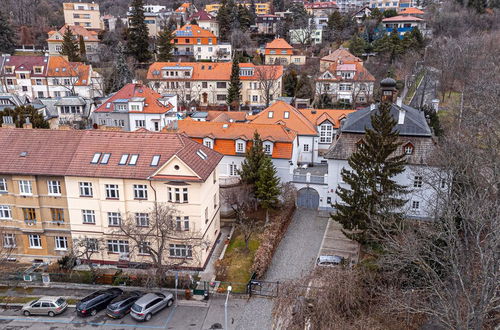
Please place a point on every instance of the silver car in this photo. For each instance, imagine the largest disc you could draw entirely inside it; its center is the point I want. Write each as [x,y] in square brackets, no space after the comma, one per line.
[50,306]
[149,304]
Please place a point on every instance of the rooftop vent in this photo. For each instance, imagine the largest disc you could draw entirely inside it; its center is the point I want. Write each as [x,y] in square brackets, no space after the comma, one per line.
[225,126]
[202,155]
[23,154]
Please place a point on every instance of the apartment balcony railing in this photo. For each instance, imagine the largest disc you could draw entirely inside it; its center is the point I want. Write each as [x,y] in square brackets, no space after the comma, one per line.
[183,53]
[309,178]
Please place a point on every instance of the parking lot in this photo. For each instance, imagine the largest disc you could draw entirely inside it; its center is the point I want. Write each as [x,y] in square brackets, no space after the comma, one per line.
[336,243]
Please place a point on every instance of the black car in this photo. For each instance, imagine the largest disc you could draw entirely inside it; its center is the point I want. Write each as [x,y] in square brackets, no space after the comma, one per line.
[120,306]
[96,301]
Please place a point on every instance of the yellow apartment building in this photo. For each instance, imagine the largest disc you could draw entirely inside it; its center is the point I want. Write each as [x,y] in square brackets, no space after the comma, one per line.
[83,14]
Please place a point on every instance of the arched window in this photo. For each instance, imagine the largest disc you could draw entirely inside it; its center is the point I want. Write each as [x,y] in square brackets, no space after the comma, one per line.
[408,149]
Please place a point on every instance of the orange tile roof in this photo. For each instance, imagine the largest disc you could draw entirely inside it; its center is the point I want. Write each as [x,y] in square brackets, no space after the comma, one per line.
[226,116]
[226,134]
[183,8]
[59,66]
[151,103]
[362,74]
[401,18]
[412,11]
[278,43]
[341,54]
[318,116]
[77,30]
[204,71]
[195,32]
[295,121]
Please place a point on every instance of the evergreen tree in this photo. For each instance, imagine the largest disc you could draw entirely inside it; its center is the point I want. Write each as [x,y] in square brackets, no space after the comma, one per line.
[278,5]
[224,20]
[299,15]
[390,13]
[304,87]
[357,45]
[324,101]
[137,33]
[413,40]
[290,82]
[165,45]
[69,46]
[83,50]
[7,43]
[20,113]
[433,118]
[267,186]
[120,75]
[253,11]
[478,5]
[377,14]
[244,18]
[391,45]
[234,90]
[254,158]
[372,192]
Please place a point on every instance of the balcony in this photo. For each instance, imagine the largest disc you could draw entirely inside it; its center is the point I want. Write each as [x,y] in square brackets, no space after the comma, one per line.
[317,174]
[183,53]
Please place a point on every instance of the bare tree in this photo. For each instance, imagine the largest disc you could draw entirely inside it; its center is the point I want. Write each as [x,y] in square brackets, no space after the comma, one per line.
[86,249]
[7,244]
[267,76]
[151,236]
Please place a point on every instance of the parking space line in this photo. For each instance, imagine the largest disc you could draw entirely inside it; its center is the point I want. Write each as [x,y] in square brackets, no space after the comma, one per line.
[169,318]
[19,319]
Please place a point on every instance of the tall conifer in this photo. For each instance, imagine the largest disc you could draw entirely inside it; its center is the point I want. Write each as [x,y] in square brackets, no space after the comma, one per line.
[138,33]
[234,90]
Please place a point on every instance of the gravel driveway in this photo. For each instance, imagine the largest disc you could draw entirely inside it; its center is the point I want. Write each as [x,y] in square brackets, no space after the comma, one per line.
[299,248]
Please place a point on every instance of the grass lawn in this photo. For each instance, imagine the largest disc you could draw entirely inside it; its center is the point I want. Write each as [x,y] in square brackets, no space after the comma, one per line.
[16,300]
[240,261]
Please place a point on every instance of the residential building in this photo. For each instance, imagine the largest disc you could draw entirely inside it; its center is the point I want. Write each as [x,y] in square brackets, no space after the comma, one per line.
[206,21]
[109,22]
[411,11]
[348,6]
[48,76]
[360,15]
[404,24]
[385,4]
[90,40]
[11,100]
[322,9]
[417,143]
[234,139]
[267,24]
[96,179]
[192,41]
[213,8]
[155,16]
[184,11]
[340,55]
[279,51]
[72,111]
[306,36]
[407,4]
[261,8]
[136,106]
[82,14]
[207,83]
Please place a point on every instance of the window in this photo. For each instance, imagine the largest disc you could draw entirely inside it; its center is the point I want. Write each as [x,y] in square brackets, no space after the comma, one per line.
[255,98]
[270,114]
[415,205]
[325,133]
[57,215]
[443,183]
[185,195]
[86,189]
[221,84]
[123,159]
[417,182]
[306,147]
[204,84]
[35,241]
[140,123]
[215,201]
[114,219]
[9,241]
[142,219]
[5,212]
[24,88]
[408,149]
[25,187]
[155,160]
[54,187]
[286,114]
[182,223]
[208,143]
[140,191]
[92,244]
[121,107]
[133,159]
[95,158]
[267,149]
[29,214]
[144,248]
[233,169]
[221,97]
[181,250]
[10,81]
[105,158]
[22,76]
[118,246]
[61,243]
[180,196]
[3,185]
[112,191]
[240,147]
[88,216]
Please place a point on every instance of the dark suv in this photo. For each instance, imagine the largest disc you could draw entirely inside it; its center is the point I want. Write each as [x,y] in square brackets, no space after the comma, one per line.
[120,306]
[96,301]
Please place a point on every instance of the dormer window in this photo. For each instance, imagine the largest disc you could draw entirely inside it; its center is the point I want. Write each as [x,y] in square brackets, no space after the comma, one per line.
[408,149]
[208,142]
[240,146]
[121,107]
[270,114]
[286,114]
[268,148]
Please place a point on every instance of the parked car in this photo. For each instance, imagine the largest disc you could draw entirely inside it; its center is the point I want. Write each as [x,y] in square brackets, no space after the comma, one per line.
[330,261]
[149,304]
[50,306]
[121,305]
[96,301]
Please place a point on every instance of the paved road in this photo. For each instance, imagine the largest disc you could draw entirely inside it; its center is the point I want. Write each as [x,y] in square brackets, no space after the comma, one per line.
[427,88]
[336,243]
[298,250]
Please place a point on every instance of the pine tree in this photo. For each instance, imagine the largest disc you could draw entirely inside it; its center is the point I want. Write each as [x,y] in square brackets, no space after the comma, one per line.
[234,90]
[121,75]
[165,46]
[414,40]
[372,191]
[138,34]
[253,11]
[224,20]
[20,113]
[357,45]
[83,50]
[69,46]
[7,43]
[290,82]
[391,45]
[267,186]
[254,157]
[244,18]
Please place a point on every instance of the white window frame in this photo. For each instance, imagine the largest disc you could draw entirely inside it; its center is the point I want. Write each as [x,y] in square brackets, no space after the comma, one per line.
[140,123]
[112,191]
[35,241]
[415,205]
[86,189]
[180,251]
[142,219]
[5,212]
[54,187]
[9,240]
[208,142]
[140,191]
[114,219]
[240,147]
[88,216]
[306,147]
[61,243]
[326,133]
[118,246]
[25,188]
[144,248]
[418,181]
[182,223]
[233,169]
[3,185]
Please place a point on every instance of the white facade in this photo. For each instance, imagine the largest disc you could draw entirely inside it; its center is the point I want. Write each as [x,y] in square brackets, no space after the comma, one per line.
[211,26]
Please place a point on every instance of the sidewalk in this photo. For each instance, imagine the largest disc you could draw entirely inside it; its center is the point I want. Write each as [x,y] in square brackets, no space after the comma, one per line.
[209,273]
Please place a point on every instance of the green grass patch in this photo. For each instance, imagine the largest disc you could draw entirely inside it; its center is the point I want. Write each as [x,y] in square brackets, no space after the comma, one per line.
[72,301]
[16,300]
[23,290]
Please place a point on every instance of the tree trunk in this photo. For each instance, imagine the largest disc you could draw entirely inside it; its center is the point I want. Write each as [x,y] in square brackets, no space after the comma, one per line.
[267,216]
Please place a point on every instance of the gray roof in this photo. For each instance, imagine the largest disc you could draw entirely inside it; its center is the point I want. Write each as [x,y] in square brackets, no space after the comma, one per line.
[50,105]
[70,100]
[200,114]
[414,124]
[14,99]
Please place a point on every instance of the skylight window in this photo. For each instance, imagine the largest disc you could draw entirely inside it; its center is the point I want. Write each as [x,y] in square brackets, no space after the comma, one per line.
[201,154]
[96,157]
[155,160]
[133,159]
[105,158]
[123,160]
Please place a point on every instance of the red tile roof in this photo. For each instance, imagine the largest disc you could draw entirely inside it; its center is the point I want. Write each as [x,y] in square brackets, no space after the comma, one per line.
[320,5]
[151,103]
[25,63]
[201,15]
[278,43]
[226,116]
[411,11]
[77,30]
[318,116]
[295,121]
[59,66]
[192,31]
[401,18]
[361,74]
[341,54]
[69,152]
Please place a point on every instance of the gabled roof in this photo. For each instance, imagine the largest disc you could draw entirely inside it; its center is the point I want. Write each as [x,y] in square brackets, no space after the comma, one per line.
[412,11]
[226,116]
[402,19]
[295,121]
[59,66]
[201,15]
[25,63]
[77,30]
[183,8]
[319,116]
[361,73]
[131,91]
[69,153]
[191,31]
[341,54]
[278,43]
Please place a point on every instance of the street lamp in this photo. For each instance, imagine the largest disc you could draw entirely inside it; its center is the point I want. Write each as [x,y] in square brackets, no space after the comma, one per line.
[229,288]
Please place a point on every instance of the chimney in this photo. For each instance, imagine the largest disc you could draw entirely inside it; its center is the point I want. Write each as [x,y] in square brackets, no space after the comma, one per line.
[401,118]
[8,122]
[28,123]
[388,90]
